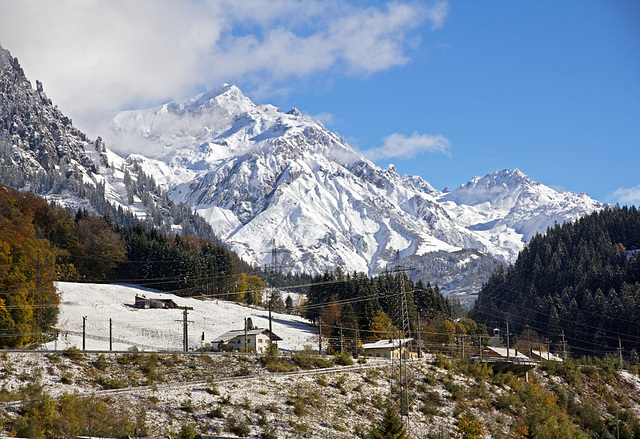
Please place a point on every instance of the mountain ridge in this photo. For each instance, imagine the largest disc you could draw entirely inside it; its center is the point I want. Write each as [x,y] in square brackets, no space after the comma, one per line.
[256,175]
[255,167]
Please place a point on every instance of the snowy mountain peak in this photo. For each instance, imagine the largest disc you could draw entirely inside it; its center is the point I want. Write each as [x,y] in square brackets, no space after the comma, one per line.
[227,95]
[510,178]
[294,112]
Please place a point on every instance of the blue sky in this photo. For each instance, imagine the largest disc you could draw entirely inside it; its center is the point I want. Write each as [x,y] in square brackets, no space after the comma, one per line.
[444,90]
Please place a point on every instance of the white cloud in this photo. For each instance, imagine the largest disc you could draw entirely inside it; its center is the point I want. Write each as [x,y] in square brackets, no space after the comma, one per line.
[103,55]
[401,146]
[628,195]
[327,119]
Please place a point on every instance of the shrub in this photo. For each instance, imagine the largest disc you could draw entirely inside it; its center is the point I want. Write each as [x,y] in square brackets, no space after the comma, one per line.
[470,427]
[100,363]
[505,402]
[187,406]
[187,431]
[73,354]
[431,403]
[72,416]
[216,412]
[111,383]
[269,432]
[307,359]
[149,366]
[442,362]
[238,428]
[343,359]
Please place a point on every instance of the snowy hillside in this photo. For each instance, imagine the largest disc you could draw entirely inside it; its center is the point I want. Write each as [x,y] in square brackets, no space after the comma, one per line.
[159,329]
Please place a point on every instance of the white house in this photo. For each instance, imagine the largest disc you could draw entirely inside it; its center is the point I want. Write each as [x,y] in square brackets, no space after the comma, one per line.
[390,348]
[257,339]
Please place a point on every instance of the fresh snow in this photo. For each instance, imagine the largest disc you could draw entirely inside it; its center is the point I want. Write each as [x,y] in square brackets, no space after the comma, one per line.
[160,329]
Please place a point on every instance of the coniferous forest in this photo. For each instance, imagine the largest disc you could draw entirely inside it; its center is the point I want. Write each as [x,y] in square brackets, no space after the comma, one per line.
[580,279]
[348,303]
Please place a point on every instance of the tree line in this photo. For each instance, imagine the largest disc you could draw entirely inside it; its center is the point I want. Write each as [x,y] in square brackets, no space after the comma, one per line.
[355,307]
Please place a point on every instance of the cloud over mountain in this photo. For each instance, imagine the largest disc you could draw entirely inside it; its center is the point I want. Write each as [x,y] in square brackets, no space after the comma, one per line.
[99,55]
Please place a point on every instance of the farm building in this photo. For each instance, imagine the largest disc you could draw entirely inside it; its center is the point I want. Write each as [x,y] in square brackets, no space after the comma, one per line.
[257,339]
[390,348]
[143,302]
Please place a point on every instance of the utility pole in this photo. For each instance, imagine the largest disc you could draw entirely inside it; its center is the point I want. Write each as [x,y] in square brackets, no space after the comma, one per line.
[270,331]
[37,311]
[110,335]
[357,346]
[272,272]
[418,337]
[341,339]
[246,348]
[319,336]
[564,348]
[84,327]
[548,342]
[462,338]
[507,341]
[620,350]
[185,327]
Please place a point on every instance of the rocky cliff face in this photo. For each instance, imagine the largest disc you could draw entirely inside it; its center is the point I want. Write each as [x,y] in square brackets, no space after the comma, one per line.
[43,138]
[41,150]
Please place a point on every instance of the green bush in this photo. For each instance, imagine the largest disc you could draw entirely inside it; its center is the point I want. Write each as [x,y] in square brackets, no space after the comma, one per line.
[216,412]
[111,383]
[149,366]
[505,402]
[307,359]
[187,431]
[71,416]
[238,428]
[100,363]
[442,362]
[73,354]
[343,359]
[187,406]
[274,363]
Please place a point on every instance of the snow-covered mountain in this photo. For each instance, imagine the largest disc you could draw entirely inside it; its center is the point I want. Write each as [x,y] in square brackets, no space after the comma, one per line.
[508,208]
[257,175]
[41,150]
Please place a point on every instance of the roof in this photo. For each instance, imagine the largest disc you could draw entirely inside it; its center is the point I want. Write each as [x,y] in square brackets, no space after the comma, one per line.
[240,333]
[513,353]
[544,355]
[387,343]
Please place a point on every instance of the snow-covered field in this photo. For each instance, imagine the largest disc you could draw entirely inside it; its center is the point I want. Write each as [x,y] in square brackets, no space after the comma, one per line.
[159,329]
